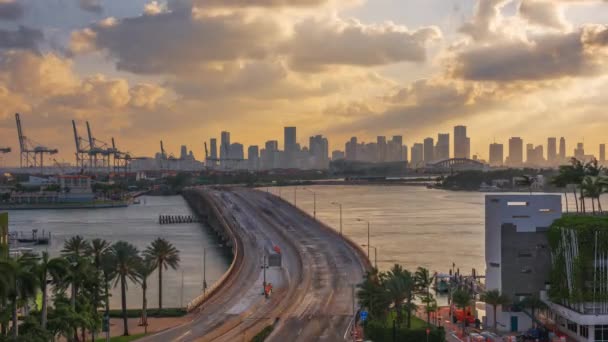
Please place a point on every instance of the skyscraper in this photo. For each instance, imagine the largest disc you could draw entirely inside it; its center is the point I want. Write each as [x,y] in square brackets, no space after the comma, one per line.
[382,149]
[462,144]
[319,151]
[351,149]
[516,152]
[213,149]
[417,156]
[552,150]
[442,150]
[253,157]
[562,149]
[225,145]
[429,150]
[496,154]
[579,152]
[183,153]
[290,146]
[602,153]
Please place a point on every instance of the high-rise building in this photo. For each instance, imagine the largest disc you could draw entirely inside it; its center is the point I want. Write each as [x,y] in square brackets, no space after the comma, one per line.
[395,149]
[535,155]
[319,151]
[496,154]
[562,149]
[237,151]
[351,149]
[337,155]
[417,156]
[290,146]
[552,150]
[602,153]
[382,149]
[213,149]
[183,153]
[579,152]
[253,157]
[225,145]
[462,144]
[442,149]
[516,152]
[429,150]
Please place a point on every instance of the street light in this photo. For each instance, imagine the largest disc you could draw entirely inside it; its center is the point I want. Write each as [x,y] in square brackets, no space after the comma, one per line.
[314,201]
[339,205]
[375,254]
[368,226]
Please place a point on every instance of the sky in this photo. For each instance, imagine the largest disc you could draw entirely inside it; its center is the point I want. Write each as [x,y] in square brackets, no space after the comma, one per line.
[184,70]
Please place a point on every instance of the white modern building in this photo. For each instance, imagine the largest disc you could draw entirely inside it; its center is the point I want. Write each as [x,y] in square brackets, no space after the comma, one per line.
[518,257]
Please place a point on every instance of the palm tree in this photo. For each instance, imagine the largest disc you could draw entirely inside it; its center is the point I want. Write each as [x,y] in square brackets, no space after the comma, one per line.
[73,251]
[163,255]
[494,298]
[127,263]
[52,268]
[527,181]
[371,294]
[424,281]
[96,251]
[593,187]
[23,283]
[400,285]
[145,270]
[462,298]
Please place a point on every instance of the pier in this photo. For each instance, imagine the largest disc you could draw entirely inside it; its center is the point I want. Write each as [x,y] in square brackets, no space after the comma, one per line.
[176,219]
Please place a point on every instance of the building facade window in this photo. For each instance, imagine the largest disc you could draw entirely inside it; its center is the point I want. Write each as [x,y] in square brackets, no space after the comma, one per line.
[573,327]
[601,333]
[584,331]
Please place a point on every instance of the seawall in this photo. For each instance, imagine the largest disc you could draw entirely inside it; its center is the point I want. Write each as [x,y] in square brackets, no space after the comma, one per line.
[205,208]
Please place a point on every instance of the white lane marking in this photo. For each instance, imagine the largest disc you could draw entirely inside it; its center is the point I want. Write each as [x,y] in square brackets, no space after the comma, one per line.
[184,335]
[352,320]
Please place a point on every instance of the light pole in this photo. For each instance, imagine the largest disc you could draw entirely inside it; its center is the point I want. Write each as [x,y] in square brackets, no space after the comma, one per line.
[375,254]
[340,206]
[264,267]
[205,265]
[295,196]
[314,202]
[368,228]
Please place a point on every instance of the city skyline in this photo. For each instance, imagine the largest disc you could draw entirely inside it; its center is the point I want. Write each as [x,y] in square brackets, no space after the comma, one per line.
[337,68]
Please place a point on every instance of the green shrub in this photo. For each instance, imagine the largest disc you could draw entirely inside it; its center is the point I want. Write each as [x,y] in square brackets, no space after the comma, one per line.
[136,313]
[379,332]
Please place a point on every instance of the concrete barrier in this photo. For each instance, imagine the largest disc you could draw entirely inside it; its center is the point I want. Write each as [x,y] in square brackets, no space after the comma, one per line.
[205,207]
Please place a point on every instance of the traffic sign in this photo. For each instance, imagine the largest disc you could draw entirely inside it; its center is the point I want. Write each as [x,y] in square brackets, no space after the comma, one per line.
[364,315]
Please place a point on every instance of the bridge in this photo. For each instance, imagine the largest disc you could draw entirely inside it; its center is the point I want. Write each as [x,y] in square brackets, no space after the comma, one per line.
[456,164]
[313,288]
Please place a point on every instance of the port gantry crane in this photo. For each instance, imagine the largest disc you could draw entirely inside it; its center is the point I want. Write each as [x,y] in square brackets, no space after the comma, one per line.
[122,160]
[98,148]
[32,153]
[83,158]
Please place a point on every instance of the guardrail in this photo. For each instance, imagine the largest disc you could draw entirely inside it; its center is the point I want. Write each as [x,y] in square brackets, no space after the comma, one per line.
[237,260]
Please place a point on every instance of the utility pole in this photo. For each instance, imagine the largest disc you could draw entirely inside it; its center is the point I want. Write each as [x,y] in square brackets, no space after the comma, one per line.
[368,226]
[204,271]
[295,196]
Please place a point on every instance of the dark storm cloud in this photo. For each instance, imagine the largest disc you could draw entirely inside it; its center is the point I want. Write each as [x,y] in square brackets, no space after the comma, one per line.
[22,38]
[93,6]
[11,10]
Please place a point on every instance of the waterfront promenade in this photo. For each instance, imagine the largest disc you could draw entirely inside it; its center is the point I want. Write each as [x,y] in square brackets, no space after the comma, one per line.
[313,291]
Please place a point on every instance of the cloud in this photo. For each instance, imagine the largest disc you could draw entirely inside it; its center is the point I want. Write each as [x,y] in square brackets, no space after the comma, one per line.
[93,6]
[178,42]
[546,13]
[548,56]
[320,43]
[11,10]
[485,20]
[22,38]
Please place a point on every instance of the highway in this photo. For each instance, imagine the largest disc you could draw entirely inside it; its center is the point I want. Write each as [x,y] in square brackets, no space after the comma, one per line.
[312,298]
